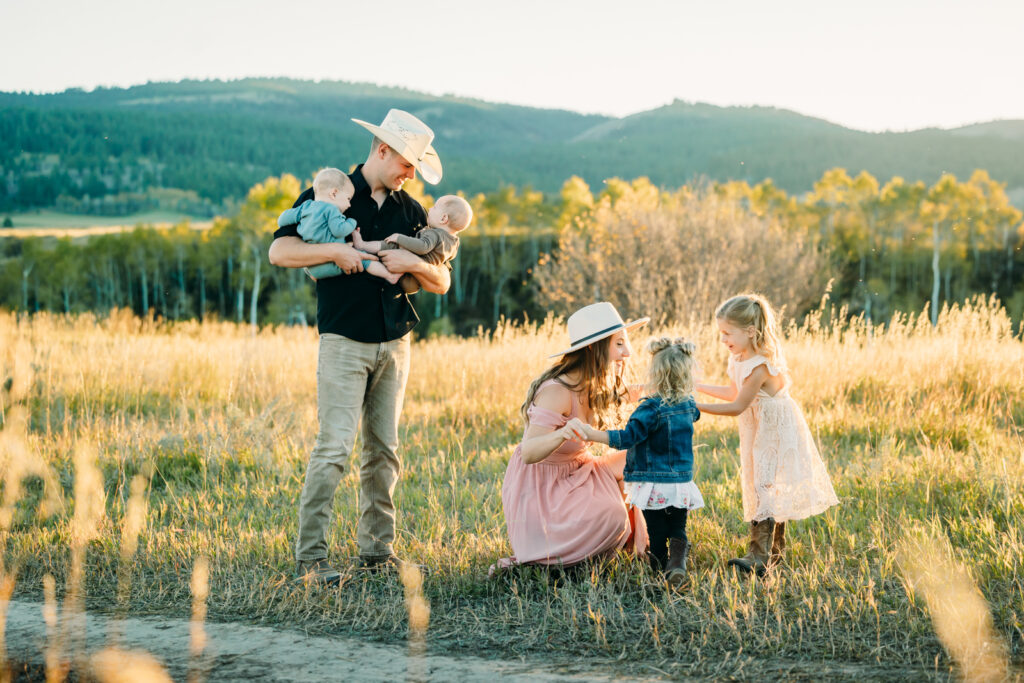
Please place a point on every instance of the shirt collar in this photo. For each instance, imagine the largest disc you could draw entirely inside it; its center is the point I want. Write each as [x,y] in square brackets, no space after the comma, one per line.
[359,180]
[361,186]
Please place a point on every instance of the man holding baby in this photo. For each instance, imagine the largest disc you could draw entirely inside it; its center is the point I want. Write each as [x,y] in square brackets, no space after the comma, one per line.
[364,324]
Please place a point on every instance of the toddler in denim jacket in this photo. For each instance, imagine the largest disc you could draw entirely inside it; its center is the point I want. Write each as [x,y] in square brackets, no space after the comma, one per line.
[659,461]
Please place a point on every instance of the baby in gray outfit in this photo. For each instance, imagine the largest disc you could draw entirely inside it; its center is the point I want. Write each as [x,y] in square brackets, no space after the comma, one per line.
[436,244]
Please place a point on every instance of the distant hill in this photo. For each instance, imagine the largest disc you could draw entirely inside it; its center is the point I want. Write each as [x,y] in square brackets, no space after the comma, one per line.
[214,139]
[1010,130]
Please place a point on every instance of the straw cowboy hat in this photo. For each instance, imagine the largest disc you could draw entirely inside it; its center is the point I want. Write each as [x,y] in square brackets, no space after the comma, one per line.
[411,138]
[594,322]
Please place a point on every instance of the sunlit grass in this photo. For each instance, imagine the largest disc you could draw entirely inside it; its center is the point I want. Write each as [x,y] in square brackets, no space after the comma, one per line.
[920,428]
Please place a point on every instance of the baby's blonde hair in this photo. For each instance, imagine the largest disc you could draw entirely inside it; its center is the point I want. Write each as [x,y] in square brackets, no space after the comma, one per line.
[671,373]
[460,213]
[753,310]
[329,179]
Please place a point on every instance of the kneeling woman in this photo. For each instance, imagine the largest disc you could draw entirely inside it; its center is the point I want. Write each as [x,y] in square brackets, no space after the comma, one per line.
[563,504]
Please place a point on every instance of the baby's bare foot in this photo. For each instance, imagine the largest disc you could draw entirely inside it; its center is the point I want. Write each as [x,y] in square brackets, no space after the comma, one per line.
[393,278]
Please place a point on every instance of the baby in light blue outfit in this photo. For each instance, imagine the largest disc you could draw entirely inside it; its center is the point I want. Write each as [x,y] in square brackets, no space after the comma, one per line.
[322,219]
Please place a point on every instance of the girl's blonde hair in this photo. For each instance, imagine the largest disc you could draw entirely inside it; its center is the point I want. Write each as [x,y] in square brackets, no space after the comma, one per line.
[672,367]
[753,310]
[600,387]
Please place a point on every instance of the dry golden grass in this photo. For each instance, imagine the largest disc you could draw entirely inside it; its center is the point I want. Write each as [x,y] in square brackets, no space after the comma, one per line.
[959,612]
[193,439]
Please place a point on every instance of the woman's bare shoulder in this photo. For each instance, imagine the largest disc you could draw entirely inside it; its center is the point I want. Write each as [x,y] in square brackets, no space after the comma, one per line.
[554,396]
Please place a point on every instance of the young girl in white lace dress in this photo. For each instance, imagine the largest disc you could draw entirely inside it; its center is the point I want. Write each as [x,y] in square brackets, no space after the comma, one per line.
[782,475]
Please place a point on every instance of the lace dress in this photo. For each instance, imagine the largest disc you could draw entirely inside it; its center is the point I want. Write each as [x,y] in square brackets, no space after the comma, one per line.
[781,471]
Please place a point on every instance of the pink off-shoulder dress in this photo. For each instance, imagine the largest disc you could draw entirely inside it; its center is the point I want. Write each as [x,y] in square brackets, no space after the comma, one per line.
[569,506]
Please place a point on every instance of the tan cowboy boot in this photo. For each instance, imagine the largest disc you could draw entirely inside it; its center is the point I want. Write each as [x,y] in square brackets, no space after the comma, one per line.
[675,568]
[778,545]
[756,559]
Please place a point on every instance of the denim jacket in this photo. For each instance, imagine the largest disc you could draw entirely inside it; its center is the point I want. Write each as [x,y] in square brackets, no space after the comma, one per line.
[659,437]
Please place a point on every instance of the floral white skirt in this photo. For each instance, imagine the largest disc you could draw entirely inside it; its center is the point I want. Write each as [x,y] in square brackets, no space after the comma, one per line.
[648,495]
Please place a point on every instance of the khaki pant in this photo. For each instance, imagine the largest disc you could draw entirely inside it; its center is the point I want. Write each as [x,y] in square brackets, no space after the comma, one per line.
[353,379]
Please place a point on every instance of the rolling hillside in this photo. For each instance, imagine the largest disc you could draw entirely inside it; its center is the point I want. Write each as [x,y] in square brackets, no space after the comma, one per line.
[214,139]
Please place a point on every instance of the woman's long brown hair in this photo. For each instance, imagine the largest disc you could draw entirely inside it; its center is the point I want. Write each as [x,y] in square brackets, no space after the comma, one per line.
[602,389]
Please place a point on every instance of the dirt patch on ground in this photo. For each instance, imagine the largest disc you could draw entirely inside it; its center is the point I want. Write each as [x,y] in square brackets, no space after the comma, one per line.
[238,652]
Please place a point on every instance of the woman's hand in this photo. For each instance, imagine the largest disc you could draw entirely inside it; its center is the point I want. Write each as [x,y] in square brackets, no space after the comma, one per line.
[576,429]
[568,434]
[540,441]
[584,432]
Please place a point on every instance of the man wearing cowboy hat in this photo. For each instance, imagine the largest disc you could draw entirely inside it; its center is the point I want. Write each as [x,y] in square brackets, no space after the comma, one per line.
[364,344]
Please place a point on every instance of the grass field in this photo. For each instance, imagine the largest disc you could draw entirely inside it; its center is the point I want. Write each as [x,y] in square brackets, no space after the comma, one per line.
[54,224]
[918,573]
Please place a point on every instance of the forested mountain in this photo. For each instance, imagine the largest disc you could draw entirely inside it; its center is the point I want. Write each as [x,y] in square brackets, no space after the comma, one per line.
[110,150]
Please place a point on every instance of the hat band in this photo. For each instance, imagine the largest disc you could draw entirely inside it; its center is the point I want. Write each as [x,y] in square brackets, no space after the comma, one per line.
[408,149]
[597,334]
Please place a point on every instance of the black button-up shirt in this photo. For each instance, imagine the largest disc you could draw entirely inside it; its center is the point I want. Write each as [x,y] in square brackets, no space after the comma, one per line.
[360,306]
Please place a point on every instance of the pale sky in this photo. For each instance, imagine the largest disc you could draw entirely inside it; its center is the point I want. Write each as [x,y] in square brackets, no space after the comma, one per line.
[866,64]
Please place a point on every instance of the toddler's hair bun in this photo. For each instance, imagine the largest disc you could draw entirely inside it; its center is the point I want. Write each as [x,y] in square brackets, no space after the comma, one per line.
[685,345]
[656,346]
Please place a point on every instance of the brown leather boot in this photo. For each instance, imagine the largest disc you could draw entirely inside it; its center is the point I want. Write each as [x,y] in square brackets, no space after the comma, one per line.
[778,545]
[756,559]
[675,568]
[317,572]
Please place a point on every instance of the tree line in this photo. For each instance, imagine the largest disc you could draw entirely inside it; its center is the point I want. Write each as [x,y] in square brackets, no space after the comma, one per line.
[884,247]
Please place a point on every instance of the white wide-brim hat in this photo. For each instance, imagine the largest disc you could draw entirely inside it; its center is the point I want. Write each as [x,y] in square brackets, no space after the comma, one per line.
[593,323]
[411,138]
